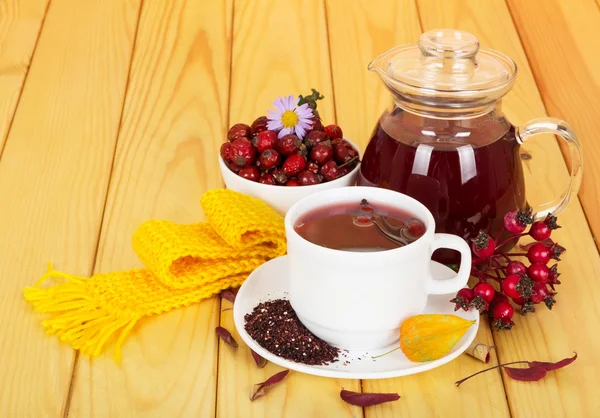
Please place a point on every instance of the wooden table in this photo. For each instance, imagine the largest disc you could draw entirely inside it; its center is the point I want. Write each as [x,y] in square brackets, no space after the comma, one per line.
[112,113]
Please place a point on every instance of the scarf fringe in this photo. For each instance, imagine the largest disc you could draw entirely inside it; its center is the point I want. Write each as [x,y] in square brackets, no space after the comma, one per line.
[76,317]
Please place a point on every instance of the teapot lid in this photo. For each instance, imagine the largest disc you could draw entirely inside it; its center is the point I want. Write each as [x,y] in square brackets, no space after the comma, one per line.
[446,63]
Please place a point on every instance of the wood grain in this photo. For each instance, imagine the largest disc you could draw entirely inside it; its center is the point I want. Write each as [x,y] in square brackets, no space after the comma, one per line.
[288,55]
[20,24]
[174,120]
[53,181]
[364,98]
[562,44]
[545,335]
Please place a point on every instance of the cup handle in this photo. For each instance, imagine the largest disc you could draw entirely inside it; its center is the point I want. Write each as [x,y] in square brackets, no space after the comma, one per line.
[565,132]
[454,284]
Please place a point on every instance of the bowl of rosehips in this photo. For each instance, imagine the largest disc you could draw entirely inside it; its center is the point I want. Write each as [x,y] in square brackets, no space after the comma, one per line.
[281,171]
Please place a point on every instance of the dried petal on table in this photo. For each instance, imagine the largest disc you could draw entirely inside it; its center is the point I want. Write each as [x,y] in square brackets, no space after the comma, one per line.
[228,294]
[526,374]
[367,399]
[554,366]
[260,362]
[258,390]
[480,351]
[226,336]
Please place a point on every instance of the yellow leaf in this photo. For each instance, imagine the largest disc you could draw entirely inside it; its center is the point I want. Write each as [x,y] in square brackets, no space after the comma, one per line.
[431,336]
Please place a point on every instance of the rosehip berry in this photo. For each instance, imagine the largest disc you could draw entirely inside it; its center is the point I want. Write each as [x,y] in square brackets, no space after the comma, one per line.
[516,267]
[289,144]
[317,125]
[539,231]
[312,166]
[344,170]
[279,176]
[233,167]
[307,178]
[265,140]
[251,173]
[294,164]
[542,294]
[314,137]
[502,315]
[329,171]
[483,245]
[500,298]
[343,152]
[333,131]
[225,151]
[242,152]
[321,153]
[292,182]
[516,286]
[463,299]
[259,125]
[269,158]
[539,253]
[516,221]
[539,272]
[266,178]
[484,294]
[239,130]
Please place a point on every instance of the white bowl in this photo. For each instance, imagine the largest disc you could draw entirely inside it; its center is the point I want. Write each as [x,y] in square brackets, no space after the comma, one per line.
[281,198]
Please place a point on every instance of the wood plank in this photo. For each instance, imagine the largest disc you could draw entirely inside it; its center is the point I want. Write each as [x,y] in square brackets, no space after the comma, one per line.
[544,335]
[360,99]
[562,44]
[174,120]
[279,48]
[53,181]
[20,26]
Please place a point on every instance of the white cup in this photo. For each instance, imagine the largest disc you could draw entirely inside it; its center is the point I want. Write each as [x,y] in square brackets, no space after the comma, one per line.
[357,300]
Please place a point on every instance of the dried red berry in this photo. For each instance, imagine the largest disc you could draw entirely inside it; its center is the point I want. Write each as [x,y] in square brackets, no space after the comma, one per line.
[294,164]
[251,173]
[239,130]
[314,137]
[266,178]
[307,178]
[279,176]
[322,152]
[292,182]
[317,125]
[329,171]
[242,152]
[289,144]
[343,152]
[225,151]
[333,131]
[265,140]
[259,125]
[269,159]
[312,166]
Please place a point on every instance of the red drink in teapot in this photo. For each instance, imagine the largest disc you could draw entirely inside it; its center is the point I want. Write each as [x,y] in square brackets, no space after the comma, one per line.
[445,141]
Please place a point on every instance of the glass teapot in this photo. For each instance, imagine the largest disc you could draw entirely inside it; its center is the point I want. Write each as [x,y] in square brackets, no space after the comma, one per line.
[445,141]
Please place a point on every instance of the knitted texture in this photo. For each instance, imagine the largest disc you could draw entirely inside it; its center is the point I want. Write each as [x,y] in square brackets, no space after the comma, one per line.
[185,264]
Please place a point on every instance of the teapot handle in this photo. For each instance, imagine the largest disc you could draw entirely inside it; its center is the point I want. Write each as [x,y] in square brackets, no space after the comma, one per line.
[562,129]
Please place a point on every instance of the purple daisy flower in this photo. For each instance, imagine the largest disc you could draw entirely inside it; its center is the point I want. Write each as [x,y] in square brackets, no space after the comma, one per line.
[289,119]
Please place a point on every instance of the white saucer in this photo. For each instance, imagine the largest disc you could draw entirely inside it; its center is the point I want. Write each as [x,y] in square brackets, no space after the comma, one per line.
[269,282]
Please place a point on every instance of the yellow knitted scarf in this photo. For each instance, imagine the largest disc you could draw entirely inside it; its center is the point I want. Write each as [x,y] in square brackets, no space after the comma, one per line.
[185,264]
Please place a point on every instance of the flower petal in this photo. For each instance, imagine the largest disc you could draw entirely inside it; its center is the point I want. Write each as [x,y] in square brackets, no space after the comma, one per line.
[284,132]
[279,104]
[291,102]
[275,114]
[274,125]
[300,131]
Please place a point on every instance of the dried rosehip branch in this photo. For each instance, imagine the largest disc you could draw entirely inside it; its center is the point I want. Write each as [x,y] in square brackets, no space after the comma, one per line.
[535,371]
